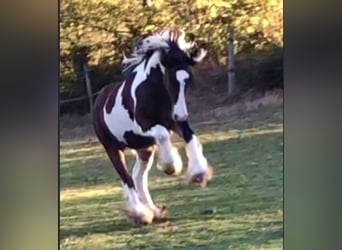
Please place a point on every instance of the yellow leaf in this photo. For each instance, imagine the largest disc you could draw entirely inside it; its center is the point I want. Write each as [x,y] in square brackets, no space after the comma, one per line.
[250,29]
[149,27]
[274,2]
[213,12]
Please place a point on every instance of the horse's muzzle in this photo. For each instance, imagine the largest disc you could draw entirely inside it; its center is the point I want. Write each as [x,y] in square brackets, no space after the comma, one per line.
[180,118]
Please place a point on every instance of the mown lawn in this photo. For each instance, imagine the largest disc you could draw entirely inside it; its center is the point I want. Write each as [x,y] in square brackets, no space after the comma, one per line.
[242,208]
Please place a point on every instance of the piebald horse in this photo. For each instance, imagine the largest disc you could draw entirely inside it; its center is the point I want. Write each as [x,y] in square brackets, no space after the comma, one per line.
[141,112]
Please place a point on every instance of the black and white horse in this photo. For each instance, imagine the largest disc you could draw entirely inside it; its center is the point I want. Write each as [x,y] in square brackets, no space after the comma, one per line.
[141,112]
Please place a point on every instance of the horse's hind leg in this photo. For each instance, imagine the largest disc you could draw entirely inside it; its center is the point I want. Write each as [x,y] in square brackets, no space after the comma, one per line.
[141,168]
[136,211]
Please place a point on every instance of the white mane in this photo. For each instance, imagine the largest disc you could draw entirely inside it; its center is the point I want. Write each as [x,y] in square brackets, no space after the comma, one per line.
[150,43]
[158,40]
[177,36]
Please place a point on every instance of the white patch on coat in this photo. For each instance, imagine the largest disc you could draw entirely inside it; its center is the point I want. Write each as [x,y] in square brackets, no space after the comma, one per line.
[153,62]
[118,120]
[180,108]
[142,72]
[197,162]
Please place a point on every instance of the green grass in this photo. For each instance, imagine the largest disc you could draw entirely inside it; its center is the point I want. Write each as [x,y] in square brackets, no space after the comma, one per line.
[240,209]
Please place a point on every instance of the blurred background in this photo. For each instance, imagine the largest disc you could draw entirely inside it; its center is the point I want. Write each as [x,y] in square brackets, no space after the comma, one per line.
[95,33]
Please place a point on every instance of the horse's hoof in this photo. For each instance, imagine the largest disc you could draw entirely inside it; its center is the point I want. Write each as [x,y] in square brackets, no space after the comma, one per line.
[139,219]
[174,166]
[160,215]
[142,217]
[169,169]
[201,179]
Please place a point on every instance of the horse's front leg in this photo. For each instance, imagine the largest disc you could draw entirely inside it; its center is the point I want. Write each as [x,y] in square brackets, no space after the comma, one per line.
[198,172]
[169,160]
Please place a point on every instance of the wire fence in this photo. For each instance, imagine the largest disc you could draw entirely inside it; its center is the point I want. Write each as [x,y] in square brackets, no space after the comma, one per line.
[266,73]
[89,95]
[78,98]
[230,71]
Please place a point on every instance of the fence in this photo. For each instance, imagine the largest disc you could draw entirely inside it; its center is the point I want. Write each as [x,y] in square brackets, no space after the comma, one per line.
[230,70]
[260,71]
[89,95]
[80,98]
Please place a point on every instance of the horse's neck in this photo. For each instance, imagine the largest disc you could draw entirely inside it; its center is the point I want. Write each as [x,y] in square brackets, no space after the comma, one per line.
[156,89]
[154,61]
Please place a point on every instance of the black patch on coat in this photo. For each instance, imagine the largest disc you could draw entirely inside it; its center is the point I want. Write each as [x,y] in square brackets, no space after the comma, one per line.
[127,99]
[187,132]
[137,141]
[147,57]
[154,104]
[175,56]
[112,97]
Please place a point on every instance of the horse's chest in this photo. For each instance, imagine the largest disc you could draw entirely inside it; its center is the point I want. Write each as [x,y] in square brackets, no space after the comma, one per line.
[153,101]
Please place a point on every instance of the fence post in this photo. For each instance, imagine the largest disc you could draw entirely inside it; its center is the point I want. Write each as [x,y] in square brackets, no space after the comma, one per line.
[231,64]
[89,91]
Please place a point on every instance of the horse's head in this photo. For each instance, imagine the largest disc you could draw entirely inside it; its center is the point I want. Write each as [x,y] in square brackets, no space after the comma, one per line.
[178,60]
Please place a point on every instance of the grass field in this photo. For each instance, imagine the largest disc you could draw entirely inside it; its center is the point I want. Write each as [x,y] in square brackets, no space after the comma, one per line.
[242,208]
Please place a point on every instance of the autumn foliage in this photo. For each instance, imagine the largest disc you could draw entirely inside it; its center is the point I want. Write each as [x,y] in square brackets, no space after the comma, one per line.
[96,32]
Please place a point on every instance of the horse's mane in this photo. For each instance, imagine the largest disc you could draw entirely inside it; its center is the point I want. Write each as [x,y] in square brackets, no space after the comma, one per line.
[160,39]
[140,50]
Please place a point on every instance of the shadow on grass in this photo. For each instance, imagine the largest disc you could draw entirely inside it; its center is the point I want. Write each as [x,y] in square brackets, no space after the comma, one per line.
[222,154]
[99,227]
[205,238]
[240,206]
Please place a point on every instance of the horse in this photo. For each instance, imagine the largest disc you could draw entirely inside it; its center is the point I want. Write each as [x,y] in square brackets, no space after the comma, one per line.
[141,112]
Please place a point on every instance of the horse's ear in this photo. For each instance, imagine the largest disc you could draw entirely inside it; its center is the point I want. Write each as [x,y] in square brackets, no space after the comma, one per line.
[199,55]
